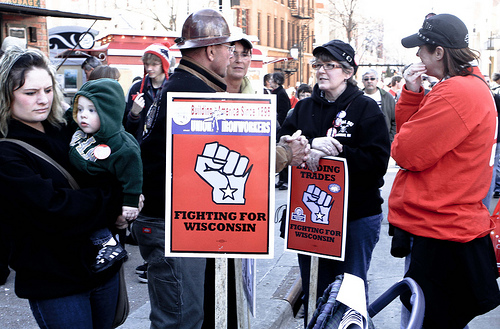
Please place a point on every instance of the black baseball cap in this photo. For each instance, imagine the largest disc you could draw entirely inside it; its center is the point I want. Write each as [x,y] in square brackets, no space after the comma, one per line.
[340,50]
[441,30]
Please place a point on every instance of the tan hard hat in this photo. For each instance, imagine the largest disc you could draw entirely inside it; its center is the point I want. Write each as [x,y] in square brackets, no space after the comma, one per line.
[203,28]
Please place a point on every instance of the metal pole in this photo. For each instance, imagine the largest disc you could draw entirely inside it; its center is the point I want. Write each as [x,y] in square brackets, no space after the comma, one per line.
[221,293]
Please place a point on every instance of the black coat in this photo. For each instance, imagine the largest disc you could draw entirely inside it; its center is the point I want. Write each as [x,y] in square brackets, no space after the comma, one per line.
[46,224]
[366,145]
[283,104]
[153,150]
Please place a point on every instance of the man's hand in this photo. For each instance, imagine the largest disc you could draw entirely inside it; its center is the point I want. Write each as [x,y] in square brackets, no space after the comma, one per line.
[299,146]
[121,223]
[138,104]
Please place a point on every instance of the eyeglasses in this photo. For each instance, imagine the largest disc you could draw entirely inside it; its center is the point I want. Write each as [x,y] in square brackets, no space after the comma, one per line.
[243,56]
[369,79]
[326,66]
[230,48]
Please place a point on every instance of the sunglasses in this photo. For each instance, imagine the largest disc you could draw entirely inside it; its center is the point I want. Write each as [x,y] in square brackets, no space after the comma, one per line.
[369,79]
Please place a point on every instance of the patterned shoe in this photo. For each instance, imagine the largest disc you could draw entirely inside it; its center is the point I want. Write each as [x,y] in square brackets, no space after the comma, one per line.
[107,256]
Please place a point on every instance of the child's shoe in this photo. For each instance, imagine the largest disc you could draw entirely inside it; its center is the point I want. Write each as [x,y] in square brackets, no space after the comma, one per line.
[107,256]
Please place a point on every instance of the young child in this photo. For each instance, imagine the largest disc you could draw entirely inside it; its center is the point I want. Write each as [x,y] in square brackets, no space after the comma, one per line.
[101,145]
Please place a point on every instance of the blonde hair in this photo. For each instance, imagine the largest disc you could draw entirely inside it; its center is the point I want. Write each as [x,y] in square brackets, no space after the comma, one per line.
[14,66]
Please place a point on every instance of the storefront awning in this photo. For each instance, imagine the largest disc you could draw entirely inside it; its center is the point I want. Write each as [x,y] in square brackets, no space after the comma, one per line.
[36,11]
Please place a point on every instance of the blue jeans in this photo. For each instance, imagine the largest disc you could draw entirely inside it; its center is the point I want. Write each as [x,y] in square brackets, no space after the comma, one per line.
[100,236]
[93,309]
[362,236]
[175,284]
[495,181]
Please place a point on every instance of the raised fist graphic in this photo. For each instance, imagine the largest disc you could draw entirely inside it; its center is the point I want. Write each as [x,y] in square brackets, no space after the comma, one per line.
[225,171]
[319,204]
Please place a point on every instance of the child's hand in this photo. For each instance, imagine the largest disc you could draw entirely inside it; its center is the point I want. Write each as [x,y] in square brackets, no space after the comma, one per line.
[130,213]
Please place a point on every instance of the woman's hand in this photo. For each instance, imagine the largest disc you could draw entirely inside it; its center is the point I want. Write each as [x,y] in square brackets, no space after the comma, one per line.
[413,76]
[327,145]
[313,160]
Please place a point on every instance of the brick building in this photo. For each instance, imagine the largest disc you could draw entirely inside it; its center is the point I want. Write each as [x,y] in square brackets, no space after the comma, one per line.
[26,19]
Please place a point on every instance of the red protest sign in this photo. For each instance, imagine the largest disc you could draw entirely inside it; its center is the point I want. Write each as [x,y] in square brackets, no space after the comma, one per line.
[219,200]
[317,209]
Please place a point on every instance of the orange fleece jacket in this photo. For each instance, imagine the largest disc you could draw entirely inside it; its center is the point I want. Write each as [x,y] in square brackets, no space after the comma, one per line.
[445,146]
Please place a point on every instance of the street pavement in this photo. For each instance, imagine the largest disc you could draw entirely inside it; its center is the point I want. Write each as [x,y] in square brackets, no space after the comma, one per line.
[276,286]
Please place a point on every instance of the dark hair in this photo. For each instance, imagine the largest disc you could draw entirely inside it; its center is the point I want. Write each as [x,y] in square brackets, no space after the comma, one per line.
[325,56]
[495,77]
[104,71]
[395,79]
[279,78]
[90,63]
[456,61]
[304,88]
[267,77]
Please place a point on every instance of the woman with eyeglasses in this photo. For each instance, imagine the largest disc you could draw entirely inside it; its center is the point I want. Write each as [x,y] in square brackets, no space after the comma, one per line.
[339,120]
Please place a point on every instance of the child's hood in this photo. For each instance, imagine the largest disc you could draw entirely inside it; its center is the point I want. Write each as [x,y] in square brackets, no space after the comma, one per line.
[109,101]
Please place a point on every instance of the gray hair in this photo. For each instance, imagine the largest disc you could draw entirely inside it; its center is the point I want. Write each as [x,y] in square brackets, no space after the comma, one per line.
[14,66]
[371,71]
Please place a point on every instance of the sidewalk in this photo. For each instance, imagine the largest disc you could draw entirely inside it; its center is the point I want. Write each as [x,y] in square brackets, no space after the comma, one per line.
[276,285]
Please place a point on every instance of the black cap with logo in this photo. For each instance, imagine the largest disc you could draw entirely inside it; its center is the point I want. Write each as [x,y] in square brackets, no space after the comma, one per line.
[441,30]
[340,50]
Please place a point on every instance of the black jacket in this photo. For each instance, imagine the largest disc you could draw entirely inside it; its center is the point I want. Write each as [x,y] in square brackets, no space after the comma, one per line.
[46,223]
[365,141]
[153,150]
[283,103]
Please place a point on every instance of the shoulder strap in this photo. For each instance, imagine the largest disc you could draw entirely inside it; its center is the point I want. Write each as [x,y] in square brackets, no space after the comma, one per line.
[34,150]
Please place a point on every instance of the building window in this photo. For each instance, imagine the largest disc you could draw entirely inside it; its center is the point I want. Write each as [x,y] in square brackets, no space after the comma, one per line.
[282,34]
[290,39]
[276,32]
[259,28]
[244,21]
[269,30]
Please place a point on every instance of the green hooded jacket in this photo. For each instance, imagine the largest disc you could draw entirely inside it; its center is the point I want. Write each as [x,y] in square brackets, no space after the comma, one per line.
[124,161]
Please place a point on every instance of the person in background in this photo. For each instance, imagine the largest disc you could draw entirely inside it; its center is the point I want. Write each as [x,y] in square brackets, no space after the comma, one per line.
[496,83]
[236,79]
[444,144]
[89,65]
[104,71]
[304,91]
[46,222]
[282,108]
[267,83]
[395,86]
[293,98]
[144,102]
[339,120]
[384,100]
[282,99]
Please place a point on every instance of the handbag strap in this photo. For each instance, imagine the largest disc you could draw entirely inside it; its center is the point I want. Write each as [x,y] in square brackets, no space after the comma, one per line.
[72,182]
